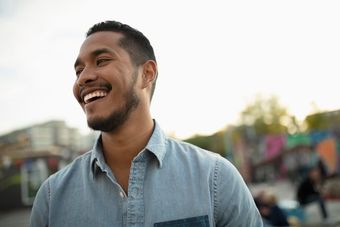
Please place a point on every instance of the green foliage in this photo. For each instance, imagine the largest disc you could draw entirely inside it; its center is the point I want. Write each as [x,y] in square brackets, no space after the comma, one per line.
[213,142]
[323,121]
[11,181]
[316,122]
[200,141]
[267,116]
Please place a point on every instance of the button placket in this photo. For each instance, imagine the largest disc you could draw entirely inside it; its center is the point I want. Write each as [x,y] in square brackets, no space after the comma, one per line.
[135,215]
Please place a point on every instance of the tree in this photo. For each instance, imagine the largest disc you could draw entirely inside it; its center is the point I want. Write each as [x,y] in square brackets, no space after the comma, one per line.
[268,116]
[213,142]
[323,121]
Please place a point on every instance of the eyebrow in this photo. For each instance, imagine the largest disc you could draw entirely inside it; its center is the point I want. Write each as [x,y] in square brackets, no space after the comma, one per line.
[94,54]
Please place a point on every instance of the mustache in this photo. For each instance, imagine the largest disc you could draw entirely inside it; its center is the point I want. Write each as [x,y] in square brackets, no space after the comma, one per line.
[97,85]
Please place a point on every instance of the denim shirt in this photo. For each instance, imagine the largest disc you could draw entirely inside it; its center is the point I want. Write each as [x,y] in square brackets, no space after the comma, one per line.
[171,183]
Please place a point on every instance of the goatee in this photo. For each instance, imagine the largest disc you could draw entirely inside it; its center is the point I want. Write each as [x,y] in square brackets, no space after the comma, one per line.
[118,117]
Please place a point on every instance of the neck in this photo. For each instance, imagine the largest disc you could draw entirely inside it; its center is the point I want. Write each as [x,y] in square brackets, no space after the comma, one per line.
[121,146]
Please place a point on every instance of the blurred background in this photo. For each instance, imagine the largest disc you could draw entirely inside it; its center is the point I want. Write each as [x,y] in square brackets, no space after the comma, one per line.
[255,81]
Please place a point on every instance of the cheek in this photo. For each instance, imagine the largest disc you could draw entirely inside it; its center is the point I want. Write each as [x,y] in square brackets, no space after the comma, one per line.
[76,92]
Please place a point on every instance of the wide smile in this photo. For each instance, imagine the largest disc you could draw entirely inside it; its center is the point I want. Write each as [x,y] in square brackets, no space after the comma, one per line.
[93,96]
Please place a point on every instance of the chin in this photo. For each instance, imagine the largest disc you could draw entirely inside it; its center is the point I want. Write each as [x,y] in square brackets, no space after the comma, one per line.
[108,124]
[116,118]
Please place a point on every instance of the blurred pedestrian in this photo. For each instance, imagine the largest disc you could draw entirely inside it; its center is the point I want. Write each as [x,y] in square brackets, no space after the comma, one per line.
[272,214]
[135,175]
[309,190]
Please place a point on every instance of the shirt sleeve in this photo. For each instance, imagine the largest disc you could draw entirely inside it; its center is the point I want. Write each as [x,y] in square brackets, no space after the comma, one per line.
[234,204]
[40,209]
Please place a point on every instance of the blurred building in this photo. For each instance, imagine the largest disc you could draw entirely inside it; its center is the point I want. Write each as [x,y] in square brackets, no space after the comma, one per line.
[44,136]
[29,155]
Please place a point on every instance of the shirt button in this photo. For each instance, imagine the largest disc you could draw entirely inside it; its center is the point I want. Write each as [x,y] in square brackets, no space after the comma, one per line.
[121,194]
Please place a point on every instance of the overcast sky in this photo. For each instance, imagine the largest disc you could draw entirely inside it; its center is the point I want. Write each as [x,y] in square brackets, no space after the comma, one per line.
[213,57]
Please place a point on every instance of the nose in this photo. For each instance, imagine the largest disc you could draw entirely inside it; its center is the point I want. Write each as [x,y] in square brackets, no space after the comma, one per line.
[86,76]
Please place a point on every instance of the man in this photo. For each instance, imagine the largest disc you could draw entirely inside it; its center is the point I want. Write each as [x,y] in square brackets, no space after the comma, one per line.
[308,190]
[266,202]
[135,175]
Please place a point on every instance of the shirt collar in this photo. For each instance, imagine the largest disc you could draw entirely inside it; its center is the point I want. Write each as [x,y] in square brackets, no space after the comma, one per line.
[156,145]
[97,158]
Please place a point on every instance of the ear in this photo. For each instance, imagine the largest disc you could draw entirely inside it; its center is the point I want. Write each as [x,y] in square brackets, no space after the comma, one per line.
[149,73]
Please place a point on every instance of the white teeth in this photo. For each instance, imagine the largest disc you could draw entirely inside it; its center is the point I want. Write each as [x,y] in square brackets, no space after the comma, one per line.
[94,94]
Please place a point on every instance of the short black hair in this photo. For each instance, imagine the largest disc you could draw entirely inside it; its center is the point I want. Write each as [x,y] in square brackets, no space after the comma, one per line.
[133,41]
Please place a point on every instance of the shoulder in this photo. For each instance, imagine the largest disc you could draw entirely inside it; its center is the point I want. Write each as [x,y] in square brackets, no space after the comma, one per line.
[74,169]
[55,182]
[233,203]
[186,155]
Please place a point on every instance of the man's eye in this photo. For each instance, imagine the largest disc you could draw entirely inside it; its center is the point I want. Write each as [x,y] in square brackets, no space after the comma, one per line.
[78,71]
[102,61]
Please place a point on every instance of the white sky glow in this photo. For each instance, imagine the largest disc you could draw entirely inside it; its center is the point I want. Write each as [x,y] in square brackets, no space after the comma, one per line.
[213,57]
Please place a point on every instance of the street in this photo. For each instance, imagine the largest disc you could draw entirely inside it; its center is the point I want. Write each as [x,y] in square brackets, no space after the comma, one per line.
[15,218]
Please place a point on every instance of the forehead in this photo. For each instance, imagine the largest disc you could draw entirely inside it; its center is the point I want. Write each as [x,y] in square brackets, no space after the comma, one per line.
[100,40]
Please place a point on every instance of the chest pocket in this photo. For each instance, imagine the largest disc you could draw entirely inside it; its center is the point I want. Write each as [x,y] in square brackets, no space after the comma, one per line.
[201,221]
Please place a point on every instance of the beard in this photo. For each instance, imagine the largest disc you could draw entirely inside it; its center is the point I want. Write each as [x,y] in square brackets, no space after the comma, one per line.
[118,117]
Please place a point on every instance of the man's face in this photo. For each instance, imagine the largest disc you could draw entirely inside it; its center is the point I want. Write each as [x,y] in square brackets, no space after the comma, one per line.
[105,84]
[315,174]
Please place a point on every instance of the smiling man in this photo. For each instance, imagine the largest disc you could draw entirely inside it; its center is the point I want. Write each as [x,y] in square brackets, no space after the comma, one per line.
[135,175]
